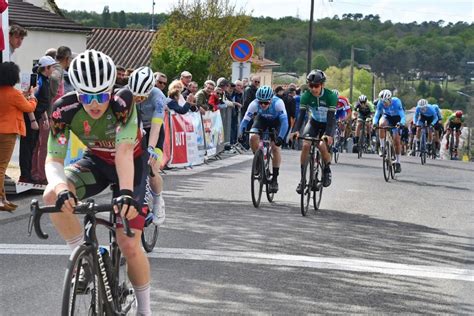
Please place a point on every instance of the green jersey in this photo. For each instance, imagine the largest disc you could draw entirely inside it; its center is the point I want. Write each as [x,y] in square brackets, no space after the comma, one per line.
[319,106]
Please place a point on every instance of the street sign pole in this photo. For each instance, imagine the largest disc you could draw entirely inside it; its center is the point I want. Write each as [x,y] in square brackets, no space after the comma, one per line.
[241,70]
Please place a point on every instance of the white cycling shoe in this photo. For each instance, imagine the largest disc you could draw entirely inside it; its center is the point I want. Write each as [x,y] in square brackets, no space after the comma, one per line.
[159,214]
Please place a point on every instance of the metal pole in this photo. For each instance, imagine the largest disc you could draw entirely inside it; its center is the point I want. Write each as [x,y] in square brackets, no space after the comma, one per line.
[241,70]
[153,15]
[352,73]
[310,39]
[373,87]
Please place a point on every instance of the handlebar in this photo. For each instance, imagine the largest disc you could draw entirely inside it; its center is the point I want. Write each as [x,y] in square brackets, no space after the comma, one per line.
[311,139]
[88,207]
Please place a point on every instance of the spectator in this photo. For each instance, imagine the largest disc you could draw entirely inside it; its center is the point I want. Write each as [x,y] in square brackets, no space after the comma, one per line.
[236,97]
[121,77]
[203,95]
[216,99]
[245,82]
[161,81]
[63,58]
[192,89]
[185,79]
[128,72]
[14,104]
[249,93]
[290,106]
[40,116]
[67,83]
[16,36]
[174,97]
[279,92]
[51,52]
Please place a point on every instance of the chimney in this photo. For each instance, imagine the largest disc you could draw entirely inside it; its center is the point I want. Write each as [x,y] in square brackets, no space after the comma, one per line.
[261,50]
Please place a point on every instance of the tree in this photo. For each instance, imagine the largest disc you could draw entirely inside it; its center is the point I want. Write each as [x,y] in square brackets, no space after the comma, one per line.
[202,30]
[320,62]
[122,20]
[422,89]
[106,18]
[437,92]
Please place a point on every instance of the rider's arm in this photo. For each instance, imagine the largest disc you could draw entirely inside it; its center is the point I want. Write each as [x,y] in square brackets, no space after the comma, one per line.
[157,118]
[415,116]
[283,117]
[253,107]
[378,113]
[330,116]
[435,117]
[401,112]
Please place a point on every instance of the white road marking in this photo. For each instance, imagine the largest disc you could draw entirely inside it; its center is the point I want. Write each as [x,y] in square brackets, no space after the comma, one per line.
[353,265]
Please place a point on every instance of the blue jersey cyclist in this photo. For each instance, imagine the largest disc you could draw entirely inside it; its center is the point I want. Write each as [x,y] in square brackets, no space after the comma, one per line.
[389,112]
[439,130]
[321,102]
[424,114]
[270,114]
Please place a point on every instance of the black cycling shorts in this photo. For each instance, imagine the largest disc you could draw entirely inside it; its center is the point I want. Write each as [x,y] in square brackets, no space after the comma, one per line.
[455,126]
[91,175]
[262,124]
[392,120]
[314,129]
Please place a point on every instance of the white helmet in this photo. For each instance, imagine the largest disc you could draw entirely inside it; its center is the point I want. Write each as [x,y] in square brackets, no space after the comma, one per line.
[422,103]
[362,98]
[92,72]
[385,94]
[141,81]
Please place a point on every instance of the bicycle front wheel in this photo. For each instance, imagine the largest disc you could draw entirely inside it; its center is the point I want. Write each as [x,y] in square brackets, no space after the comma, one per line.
[269,177]
[125,298]
[306,186]
[386,163]
[81,289]
[150,231]
[257,178]
[317,187]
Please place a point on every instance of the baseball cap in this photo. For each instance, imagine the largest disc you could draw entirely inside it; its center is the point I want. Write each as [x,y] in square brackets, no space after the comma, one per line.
[46,61]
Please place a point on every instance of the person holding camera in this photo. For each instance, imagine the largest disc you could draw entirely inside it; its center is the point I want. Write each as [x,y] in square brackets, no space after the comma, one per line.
[12,124]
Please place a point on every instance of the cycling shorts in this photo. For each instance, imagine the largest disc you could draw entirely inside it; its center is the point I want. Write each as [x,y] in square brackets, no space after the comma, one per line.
[314,129]
[455,126]
[439,127]
[262,124]
[91,175]
[392,120]
[421,121]
[363,118]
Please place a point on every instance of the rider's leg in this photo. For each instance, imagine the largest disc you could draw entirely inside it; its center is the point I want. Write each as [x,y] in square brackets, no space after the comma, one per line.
[458,133]
[417,137]
[358,132]
[276,161]
[382,123]
[254,141]
[398,146]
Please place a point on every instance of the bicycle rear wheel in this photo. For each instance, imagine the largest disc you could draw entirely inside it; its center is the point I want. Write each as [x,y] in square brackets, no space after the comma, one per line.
[150,231]
[423,147]
[317,186]
[269,176]
[306,186]
[386,163]
[84,297]
[257,178]
[360,148]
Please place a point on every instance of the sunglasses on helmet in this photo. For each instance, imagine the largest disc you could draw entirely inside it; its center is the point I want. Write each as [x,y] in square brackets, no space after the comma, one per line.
[87,99]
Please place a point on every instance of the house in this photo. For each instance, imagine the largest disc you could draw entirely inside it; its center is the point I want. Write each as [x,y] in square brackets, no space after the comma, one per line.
[46,29]
[128,48]
[263,67]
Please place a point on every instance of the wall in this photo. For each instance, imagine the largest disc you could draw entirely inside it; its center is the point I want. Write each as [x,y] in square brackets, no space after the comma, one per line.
[37,42]
[266,76]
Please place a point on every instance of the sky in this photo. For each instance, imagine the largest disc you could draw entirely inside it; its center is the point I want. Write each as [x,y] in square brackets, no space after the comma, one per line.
[404,11]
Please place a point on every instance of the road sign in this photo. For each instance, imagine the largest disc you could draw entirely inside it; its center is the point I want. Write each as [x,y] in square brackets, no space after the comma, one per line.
[241,50]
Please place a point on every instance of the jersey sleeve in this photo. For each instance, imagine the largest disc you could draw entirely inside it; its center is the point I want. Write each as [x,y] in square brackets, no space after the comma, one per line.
[127,132]
[63,112]
[126,114]
[304,101]
[159,103]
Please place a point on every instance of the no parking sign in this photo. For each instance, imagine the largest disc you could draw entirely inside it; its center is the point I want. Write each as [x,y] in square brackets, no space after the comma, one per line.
[241,50]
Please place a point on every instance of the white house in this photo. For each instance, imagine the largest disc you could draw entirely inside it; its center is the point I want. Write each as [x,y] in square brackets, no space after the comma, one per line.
[46,29]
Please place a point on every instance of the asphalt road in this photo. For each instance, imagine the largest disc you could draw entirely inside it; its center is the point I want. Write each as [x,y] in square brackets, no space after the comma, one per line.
[401,247]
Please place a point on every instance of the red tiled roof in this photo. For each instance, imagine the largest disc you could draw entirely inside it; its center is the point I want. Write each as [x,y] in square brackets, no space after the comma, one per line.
[128,48]
[32,17]
[264,63]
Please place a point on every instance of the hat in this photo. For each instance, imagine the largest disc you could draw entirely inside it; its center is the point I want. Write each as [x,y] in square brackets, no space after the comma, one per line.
[46,61]
[186,74]
[222,82]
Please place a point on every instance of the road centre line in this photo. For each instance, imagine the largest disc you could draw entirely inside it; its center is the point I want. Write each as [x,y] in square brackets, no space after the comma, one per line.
[325,263]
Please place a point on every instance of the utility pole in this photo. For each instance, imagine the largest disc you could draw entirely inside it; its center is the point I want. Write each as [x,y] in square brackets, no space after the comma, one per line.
[310,39]
[352,71]
[153,15]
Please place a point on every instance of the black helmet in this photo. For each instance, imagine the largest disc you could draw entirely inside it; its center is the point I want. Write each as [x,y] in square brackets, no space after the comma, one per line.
[316,76]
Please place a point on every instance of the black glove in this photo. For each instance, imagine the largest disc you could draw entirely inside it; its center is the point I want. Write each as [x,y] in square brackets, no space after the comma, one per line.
[279,141]
[126,198]
[63,196]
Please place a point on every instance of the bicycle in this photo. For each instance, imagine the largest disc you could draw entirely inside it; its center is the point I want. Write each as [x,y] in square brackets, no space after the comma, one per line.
[311,181]
[363,141]
[424,152]
[262,168]
[452,150]
[150,230]
[107,290]
[338,143]
[388,154]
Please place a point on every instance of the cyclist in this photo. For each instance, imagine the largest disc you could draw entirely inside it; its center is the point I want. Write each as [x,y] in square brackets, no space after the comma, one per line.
[439,130]
[150,102]
[343,114]
[424,113]
[364,110]
[389,112]
[271,113]
[455,121]
[106,122]
[322,103]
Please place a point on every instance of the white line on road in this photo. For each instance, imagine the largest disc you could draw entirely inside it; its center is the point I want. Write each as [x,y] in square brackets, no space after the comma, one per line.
[354,265]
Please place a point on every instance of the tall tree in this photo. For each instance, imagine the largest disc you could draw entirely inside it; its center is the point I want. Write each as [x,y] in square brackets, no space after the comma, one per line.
[203,29]
[106,18]
[122,20]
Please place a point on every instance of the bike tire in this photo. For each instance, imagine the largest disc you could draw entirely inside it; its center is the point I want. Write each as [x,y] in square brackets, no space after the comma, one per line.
[90,300]
[386,164]
[256,179]
[125,299]
[317,182]
[423,147]
[150,231]
[306,185]
[269,176]
[392,159]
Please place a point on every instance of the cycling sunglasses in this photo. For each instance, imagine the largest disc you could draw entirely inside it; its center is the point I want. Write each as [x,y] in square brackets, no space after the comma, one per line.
[87,99]
[315,85]
[264,102]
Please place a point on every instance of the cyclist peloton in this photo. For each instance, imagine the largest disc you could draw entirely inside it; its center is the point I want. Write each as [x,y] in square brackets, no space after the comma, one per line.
[364,110]
[389,112]
[270,113]
[150,102]
[106,122]
[343,114]
[322,103]
[424,113]
[455,121]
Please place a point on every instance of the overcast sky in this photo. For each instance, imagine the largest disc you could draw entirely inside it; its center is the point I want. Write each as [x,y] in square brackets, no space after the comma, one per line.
[404,11]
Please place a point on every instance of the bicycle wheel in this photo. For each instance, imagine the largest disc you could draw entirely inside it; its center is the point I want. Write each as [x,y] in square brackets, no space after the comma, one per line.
[125,299]
[150,231]
[386,163]
[423,147]
[269,176]
[306,185]
[360,148]
[257,178]
[392,159]
[82,298]
[317,186]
